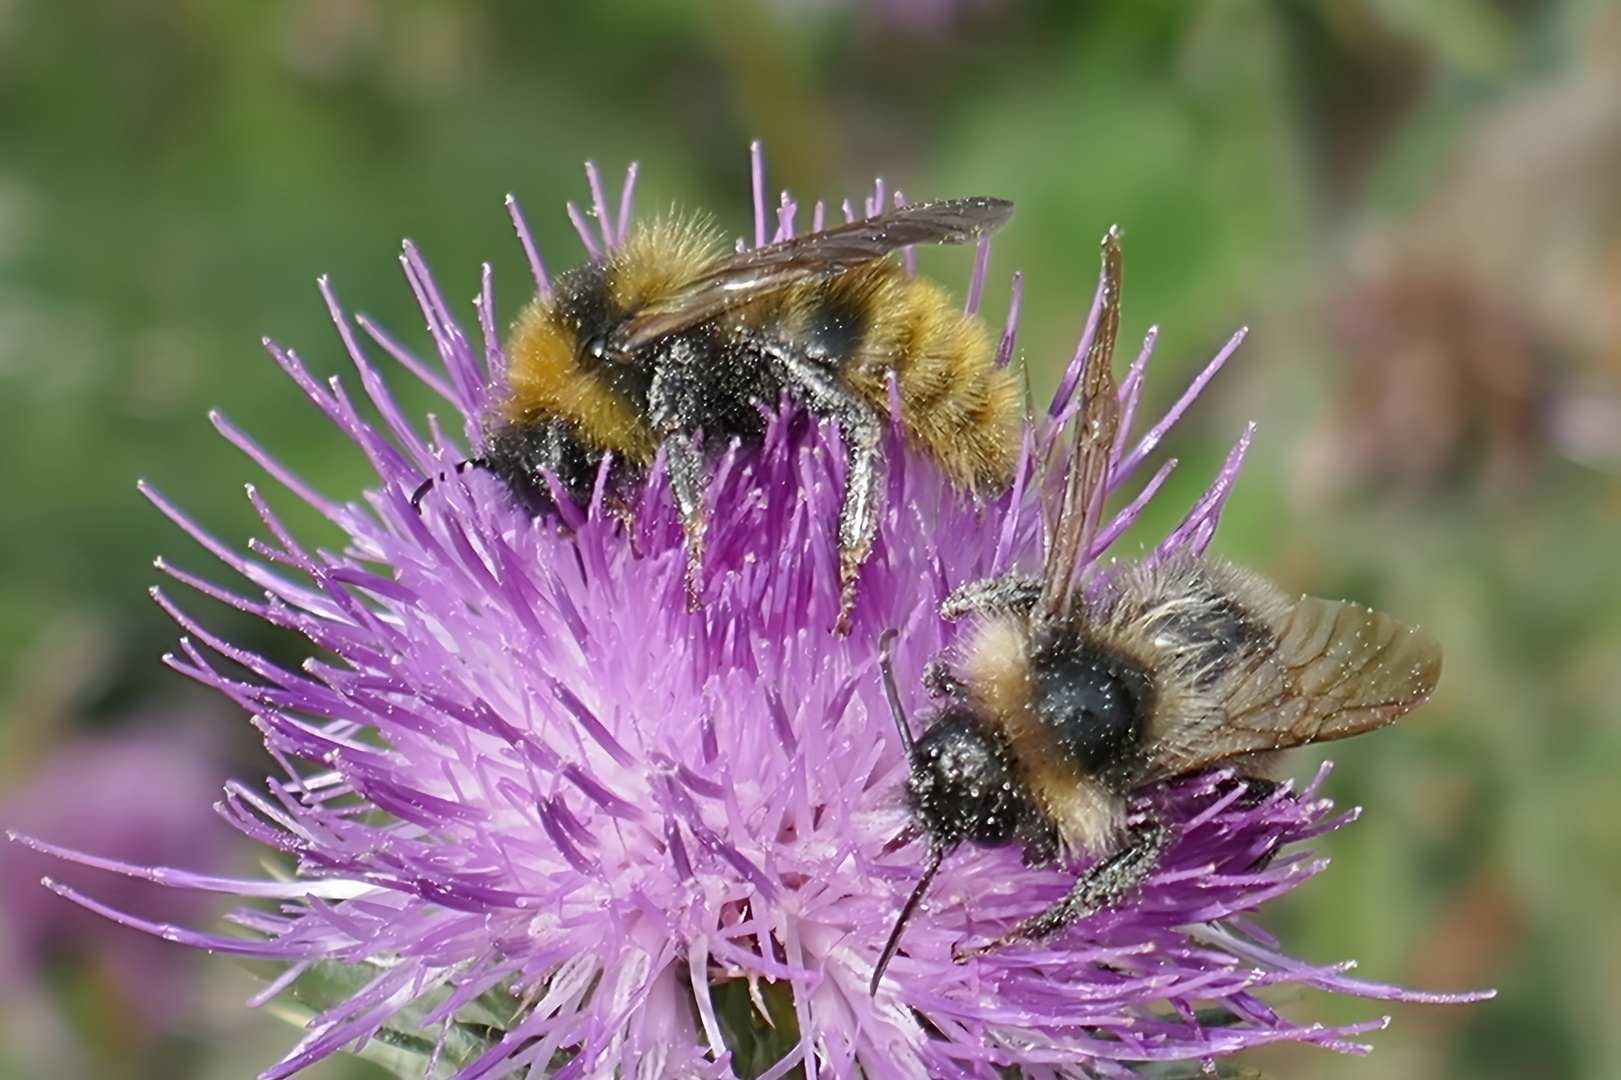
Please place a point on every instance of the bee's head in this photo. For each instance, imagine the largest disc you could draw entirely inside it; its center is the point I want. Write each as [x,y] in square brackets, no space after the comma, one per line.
[586,306]
[964,785]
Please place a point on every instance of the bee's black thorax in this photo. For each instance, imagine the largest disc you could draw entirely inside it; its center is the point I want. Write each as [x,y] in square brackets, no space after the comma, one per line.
[710,377]
[1095,705]
[707,378]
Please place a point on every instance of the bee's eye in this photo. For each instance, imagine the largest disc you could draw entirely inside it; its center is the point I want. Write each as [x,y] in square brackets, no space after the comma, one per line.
[596,347]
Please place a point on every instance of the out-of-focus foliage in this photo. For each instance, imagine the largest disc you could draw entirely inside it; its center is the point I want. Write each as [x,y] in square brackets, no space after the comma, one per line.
[1414,204]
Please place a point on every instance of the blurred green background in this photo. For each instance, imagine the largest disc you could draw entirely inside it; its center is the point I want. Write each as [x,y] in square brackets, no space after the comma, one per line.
[1416,204]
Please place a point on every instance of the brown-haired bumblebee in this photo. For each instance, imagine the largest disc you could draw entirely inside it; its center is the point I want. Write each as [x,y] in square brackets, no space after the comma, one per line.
[1069,696]
[665,338]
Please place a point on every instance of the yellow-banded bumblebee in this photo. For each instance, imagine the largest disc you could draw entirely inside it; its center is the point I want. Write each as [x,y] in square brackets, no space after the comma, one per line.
[1068,696]
[664,338]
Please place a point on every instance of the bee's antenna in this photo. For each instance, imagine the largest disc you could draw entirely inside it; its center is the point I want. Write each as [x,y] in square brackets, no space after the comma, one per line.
[894,696]
[427,485]
[936,853]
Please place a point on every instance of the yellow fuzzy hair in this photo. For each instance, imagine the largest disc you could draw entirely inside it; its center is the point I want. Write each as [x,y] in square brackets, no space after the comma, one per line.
[956,403]
[659,261]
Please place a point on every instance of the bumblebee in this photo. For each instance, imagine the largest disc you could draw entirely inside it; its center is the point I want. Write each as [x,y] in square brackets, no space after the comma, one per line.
[666,346]
[1069,695]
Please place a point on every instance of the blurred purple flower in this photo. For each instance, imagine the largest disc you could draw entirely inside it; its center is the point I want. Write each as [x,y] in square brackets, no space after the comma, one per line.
[552,819]
[140,794]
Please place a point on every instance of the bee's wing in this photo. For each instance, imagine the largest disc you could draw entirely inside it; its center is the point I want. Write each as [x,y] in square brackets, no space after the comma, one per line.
[1332,669]
[1075,521]
[749,275]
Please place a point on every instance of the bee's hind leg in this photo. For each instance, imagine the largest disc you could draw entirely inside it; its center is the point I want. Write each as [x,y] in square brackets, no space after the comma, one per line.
[1105,883]
[686,468]
[858,517]
[861,427]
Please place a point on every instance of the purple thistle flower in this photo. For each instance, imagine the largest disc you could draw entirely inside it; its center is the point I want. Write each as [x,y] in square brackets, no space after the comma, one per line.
[544,817]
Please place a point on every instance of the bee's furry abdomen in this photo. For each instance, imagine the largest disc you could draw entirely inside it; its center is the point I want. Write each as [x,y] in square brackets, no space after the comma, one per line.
[956,403]
[1200,626]
[1241,669]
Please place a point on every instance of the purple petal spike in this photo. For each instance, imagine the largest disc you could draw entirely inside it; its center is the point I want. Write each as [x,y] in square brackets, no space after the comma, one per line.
[583,228]
[757,181]
[626,199]
[976,284]
[1010,333]
[599,206]
[909,253]
[543,284]
[406,360]
[785,219]
[1063,399]
[1151,440]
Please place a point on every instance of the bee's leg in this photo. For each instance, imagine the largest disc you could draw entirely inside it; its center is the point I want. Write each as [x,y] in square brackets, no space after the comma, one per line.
[858,517]
[1105,884]
[1257,790]
[1011,593]
[461,467]
[861,427]
[686,468]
